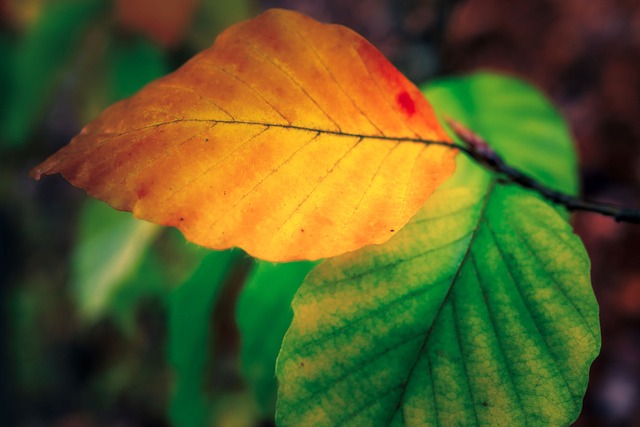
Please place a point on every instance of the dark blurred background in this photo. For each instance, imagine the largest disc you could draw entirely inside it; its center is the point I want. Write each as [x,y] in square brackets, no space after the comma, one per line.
[69,358]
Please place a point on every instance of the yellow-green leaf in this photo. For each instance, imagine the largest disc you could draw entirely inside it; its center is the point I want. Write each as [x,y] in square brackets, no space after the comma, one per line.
[479,312]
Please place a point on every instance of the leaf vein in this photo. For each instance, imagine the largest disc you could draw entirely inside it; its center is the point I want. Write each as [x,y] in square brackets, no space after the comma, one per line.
[542,336]
[446,214]
[151,161]
[474,233]
[313,190]
[187,89]
[464,354]
[375,269]
[382,94]
[272,172]
[490,310]
[557,285]
[371,402]
[423,290]
[433,388]
[344,376]
[368,187]
[290,77]
[252,88]
[333,77]
[177,190]
[409,182]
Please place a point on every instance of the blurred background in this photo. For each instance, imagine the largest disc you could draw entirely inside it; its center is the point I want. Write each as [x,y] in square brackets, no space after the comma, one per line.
[92,332]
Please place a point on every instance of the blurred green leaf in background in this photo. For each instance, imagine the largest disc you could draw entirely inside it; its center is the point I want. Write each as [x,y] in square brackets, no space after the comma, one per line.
[190,309]
[98,325]
[263,315]
[109,252]
[42,56]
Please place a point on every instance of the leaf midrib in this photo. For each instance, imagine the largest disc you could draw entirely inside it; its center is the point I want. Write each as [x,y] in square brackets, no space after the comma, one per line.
[301,128]
[490,190]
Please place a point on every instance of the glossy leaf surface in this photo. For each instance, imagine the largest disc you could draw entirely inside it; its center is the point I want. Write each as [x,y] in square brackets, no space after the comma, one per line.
[288,138]
[479,312]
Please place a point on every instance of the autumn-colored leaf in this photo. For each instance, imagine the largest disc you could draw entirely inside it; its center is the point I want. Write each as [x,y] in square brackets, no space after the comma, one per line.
[164,22]
[289,138]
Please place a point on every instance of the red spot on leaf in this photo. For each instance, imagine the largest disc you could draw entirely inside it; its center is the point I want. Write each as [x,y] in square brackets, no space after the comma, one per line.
[406,103]
[142,192]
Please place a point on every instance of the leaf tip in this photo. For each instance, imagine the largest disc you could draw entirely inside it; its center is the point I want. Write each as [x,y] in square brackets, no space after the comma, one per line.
[36,173]
[48,167]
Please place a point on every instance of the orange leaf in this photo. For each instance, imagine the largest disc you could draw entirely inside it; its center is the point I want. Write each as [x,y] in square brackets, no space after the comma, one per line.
[288,138]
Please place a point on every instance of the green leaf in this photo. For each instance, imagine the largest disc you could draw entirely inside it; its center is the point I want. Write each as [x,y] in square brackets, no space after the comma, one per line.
[40,60]
[119,261]
[168,262]
[109,250]
[263,315]
[134,63]
[517,120]
[7,52]
[478,312]
[213,16]
[190,308]
[128,64]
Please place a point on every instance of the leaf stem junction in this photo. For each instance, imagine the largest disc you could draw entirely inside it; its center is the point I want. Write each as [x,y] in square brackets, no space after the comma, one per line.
[479,150]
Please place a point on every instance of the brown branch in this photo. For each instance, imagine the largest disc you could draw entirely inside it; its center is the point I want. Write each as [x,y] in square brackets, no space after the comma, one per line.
[478,149]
